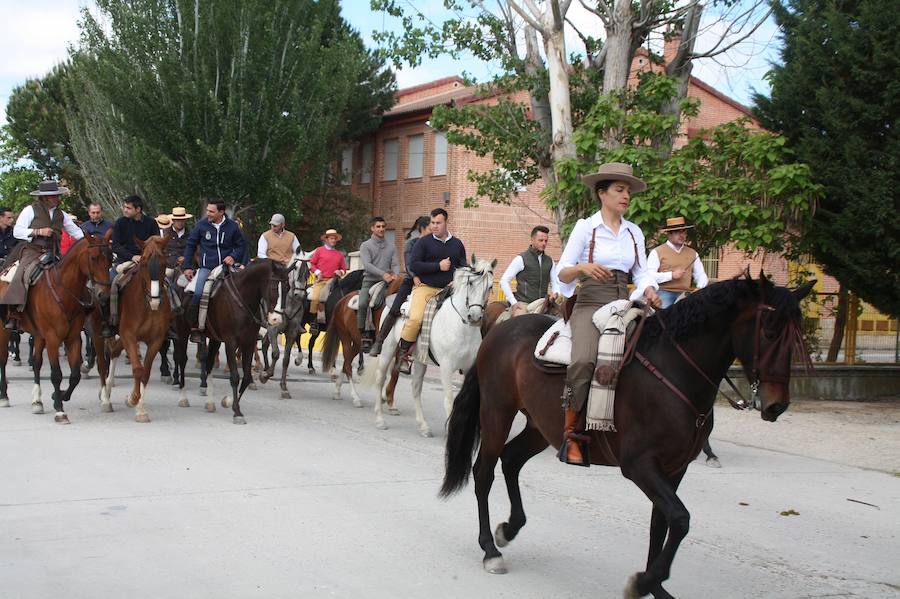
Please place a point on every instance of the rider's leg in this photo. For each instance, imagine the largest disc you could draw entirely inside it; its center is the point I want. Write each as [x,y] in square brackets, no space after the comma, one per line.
[317,288]
[193,310]
[392,316]
[419,298]
[362,314]
[585,337]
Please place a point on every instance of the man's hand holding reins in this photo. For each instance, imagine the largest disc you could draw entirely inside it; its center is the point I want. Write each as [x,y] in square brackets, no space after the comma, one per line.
[445,264]
[652,298]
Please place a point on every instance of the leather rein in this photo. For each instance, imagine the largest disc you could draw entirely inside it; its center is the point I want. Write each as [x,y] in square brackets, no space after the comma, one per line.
[86,306]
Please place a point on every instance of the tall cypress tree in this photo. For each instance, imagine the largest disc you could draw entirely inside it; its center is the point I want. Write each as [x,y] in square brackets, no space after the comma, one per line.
[836,97]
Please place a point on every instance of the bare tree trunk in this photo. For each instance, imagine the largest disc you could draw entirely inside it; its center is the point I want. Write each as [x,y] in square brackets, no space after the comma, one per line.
[618,47]
[840,323]
[560,102]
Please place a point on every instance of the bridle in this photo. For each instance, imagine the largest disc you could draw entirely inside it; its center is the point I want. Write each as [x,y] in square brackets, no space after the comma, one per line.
[228,281]
[92,283]
[297,277]
[469,304]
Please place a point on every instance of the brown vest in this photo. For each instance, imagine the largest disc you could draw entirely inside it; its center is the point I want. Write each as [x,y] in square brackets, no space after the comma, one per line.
[279,248]
[669,260]
[43,219]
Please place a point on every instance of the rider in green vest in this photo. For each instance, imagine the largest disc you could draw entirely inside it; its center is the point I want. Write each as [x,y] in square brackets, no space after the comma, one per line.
[533,271]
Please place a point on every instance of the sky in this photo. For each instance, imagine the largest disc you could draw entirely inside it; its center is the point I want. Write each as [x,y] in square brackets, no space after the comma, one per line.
[35,35]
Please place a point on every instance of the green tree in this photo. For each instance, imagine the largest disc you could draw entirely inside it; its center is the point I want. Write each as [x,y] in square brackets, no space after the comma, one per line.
[249,101]
[836,98]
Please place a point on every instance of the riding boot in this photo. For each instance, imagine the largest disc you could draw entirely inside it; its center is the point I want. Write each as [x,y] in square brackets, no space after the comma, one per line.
[366,337]
[12,320]
[403,362]
[192,316]
[386,327]
[574,448]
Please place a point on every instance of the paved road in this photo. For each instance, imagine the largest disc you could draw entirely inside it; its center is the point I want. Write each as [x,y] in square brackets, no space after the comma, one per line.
[310,500]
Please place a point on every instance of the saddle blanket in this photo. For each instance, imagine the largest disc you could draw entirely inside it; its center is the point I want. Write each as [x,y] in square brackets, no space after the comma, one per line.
[10,273]
[612,320]
[533,308]
[375,297]
[214,275]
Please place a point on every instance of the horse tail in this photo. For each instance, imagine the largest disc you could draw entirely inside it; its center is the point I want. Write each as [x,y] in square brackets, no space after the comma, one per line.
[462,435]
[332,341]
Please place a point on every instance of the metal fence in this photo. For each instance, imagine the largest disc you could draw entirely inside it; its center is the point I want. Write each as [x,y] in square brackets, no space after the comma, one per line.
[869,336]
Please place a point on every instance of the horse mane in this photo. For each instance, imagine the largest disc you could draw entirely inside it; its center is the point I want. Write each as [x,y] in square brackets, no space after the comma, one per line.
[351,282]
[718,302]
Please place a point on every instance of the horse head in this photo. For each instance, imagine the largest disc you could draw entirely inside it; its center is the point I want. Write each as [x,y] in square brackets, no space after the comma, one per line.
[153,267]
[471,288]
[766,336]
[298,277]
[94,261]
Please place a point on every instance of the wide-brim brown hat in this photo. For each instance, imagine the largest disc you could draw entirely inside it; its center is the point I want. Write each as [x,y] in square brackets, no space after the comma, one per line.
[179,213]
[50,188]
[614,171]
[676,224]
[331,232]
[164,220]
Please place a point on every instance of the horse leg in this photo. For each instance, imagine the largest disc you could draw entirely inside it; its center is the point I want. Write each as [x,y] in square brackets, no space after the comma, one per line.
[266,342]
[299,341]
[271,338]
[288,345]
[4,355]
[360,368]
[52,345]
[137,374]
[349,348]
[211,351]
[247,363]
[389,393]
[418,377]
[179,357]
[73,356]
[525,446]
[712,460]
[202,354]
[671,523]
[234,377]
[309,349]
[37,361]
[101,352]
[447,384]
[14,340]
[494,432]
[140,410]
[165,373]
[385,359]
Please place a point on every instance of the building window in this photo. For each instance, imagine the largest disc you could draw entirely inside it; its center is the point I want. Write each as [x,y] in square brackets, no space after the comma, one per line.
[391,156]
[366,174]
[711,264]
[347,166]
[440,153]
[416,156]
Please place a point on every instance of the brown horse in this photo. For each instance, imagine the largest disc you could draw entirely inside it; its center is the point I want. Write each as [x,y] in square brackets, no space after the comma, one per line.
[343,330]
[54,314]
[495,309]
[144,316]
[249,300]
[663,408]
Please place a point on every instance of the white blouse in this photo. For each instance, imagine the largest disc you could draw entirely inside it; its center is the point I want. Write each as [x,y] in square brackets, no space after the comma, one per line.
[614,251]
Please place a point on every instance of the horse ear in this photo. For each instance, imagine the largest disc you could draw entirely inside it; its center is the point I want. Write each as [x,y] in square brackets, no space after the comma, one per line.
[493,263]
[473,259]
[803,290]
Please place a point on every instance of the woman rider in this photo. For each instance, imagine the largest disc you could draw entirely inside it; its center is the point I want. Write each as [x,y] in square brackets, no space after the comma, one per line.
[600,253]
[419,228]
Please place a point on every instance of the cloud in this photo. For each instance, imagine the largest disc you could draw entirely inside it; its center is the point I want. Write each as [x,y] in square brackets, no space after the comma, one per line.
[34,36]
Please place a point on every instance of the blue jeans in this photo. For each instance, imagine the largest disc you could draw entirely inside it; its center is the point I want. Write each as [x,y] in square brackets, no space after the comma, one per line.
[668,297]
[201,274]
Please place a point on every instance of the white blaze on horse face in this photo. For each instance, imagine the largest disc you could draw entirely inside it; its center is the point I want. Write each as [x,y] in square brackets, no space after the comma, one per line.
[154,294]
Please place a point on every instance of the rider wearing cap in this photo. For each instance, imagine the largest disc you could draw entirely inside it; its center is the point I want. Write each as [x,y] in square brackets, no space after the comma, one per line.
[277,243]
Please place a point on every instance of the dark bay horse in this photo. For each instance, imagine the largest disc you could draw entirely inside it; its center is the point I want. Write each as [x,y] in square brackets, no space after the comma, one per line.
[54,314]
[245,303]
[662,416]
[295,309]
[144,316]
[342,286]
[343,332]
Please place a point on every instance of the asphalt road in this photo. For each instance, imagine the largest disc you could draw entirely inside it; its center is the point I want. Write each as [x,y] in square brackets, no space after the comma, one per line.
[310,500]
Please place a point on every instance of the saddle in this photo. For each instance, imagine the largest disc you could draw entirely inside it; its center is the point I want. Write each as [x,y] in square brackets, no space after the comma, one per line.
[535,307]
[213,282]
[40,265]
[376,297]
[554,348]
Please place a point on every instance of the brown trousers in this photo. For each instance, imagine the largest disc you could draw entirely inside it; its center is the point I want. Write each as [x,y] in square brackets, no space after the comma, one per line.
[17,292]
[585,336]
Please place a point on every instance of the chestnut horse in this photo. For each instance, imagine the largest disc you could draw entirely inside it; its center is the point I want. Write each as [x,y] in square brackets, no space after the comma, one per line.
[54,314]
[144,313]
[249,299]
[495,309]
[343,330]
[352,281]
[663,406]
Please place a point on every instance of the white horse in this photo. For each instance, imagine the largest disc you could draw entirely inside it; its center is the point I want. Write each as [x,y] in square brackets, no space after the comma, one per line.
[455,337]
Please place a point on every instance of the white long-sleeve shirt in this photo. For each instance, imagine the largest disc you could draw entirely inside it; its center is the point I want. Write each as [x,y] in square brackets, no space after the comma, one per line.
[23,229]
[614,251]
[700,278]
[262,248]
[518,265]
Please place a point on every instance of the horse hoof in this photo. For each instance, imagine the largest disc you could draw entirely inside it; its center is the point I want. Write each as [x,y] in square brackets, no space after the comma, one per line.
[298,360]
[357,403]
[106,407]
[263,379]
[380,425]
[37,408]
[239,420]
[713,463]
[61,418]
[4,403]
[631,590]
[85,369]
[17,362]
[360,370]
[167,379]
[226,402]
[500,536]
[426,433]
[184,403]
[336,397]
[312,370]
[253,387]
[143,418]
[495,565]
[210,406]
[285,395]
[334,378]
[393,411]
[202,391]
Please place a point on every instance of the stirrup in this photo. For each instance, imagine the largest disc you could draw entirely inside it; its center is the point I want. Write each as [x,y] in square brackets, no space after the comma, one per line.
[376,349]
[196,336]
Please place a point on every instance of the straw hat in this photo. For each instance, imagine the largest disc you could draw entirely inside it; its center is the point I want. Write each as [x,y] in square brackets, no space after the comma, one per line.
[331,232]
[676,224]
[50,188]
[179,213]
[164,221]
[614,171]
